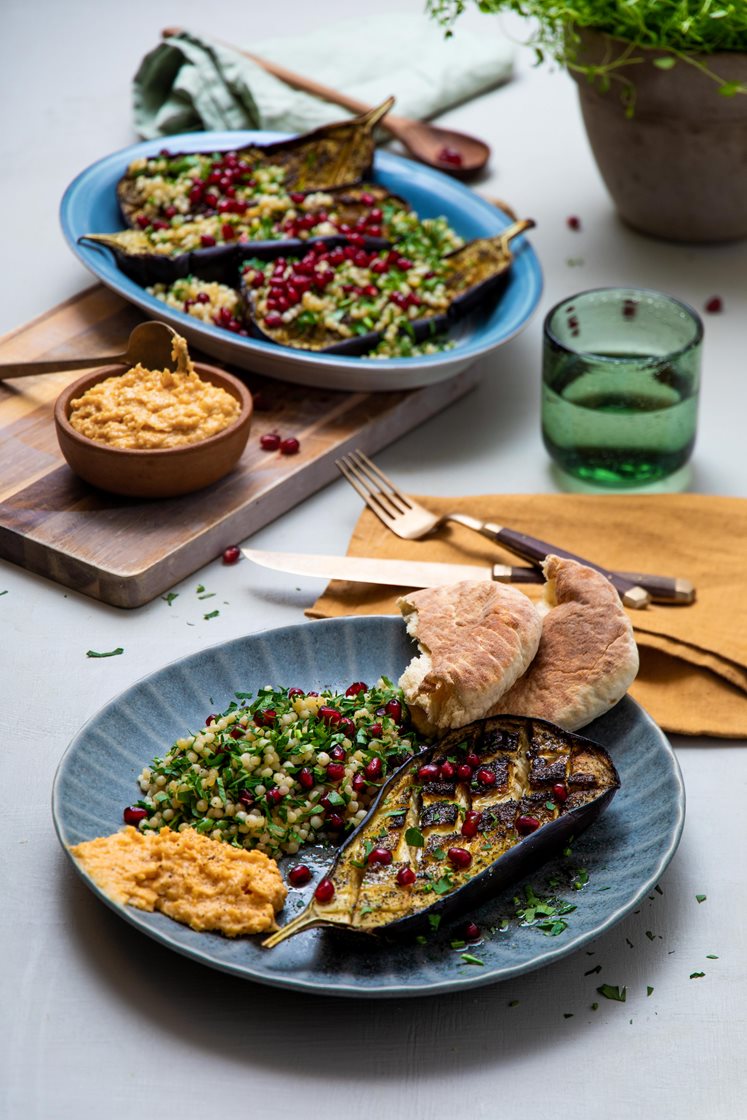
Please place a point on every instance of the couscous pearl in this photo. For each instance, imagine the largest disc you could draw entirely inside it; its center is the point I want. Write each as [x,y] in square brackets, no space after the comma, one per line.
[201,806]
[316,822]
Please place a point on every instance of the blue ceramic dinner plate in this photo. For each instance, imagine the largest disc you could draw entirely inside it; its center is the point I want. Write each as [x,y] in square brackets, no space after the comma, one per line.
[89,205]
[624,852]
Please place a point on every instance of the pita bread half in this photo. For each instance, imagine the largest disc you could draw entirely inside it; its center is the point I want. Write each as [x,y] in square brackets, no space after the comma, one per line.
[587,656]
[476,638]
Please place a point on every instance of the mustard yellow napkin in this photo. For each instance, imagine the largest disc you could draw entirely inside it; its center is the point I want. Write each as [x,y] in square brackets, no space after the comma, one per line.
[693,676]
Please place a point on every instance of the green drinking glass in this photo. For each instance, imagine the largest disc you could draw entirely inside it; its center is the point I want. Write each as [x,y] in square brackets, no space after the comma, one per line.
[620,383]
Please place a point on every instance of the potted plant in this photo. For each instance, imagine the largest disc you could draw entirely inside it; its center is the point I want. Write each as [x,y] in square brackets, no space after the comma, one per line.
[663,92]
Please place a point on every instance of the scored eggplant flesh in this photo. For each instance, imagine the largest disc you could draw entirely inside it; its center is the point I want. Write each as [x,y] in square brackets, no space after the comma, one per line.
[330,156]
[473,274]
[419,817]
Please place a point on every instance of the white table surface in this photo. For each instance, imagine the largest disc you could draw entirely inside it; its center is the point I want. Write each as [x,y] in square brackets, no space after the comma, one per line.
[98,1021]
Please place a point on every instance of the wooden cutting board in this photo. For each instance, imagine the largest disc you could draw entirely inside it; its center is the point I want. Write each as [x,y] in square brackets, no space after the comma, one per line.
[127,551]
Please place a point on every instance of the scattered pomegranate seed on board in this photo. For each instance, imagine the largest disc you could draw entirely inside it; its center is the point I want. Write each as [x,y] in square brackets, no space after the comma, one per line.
[714,305]
[573,222]
[232,555]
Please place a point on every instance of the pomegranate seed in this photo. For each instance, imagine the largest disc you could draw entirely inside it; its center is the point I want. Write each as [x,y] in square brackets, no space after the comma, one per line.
[207,241]
[299,875]
[573,222]
[560,792]
[290,446]
[274,796]
[169,211]
[236,732]
[373,769]
[393,708]
[473,761]
[265,718]
[210,719]
[337,754]
[714,305]
[294,692]
[379,855]
[306,778]
[231,555]
[246,798]
[406,877]
[329,715]
[335,772]
[459,857]
[202,297]
[448,770]
[133,815]
[525,825]
[335,822]
[273,320]
[464,772]
[375,731]
[142,220]
[471,824]
[347,727]
[450,156]
[485,777]
[325,890]
[428,773]
[270,441]
[358,783]
[472,932]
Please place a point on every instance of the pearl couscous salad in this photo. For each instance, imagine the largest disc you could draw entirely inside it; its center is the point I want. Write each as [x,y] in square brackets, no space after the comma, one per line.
[282,770]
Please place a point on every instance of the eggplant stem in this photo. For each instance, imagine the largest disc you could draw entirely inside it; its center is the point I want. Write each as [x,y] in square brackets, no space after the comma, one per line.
[371,118]
[298,925]
[514,230]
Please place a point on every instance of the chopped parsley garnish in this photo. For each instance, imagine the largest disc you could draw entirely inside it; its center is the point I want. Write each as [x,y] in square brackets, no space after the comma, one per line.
[470,958]
[591,971]
[701,897]
[711,957]
[108,653]
[612,991]
[211,614]
[696,975]
[414,837]
[169,597]
[434,921]
[649,989]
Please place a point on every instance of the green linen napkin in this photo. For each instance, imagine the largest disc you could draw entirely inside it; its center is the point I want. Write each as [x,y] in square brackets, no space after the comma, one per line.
[189,83]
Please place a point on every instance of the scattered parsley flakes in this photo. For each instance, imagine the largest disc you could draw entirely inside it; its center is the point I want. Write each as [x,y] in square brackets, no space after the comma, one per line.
[458,944]
[658,889]
[421,939]
[200,588]
[470,958]
[169,597]
[414,837]
[701,897]
[649,989]
[591,971]
[513,1003]
[595,1007]
[210,614]
[629,943]
[434,921]
[443,885]
[574,262]
[4,592]
[582,878]
[696,975]
[108,653]
[711,957]
[550,806]
[613,991]
[567,1014]
[207,595]
[650,935]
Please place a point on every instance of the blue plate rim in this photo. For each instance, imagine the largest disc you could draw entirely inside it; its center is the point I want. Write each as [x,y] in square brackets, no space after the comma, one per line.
[138,918]
[101,264]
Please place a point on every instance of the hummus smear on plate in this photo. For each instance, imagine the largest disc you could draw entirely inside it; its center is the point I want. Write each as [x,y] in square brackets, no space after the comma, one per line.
[145,409]
[188,877]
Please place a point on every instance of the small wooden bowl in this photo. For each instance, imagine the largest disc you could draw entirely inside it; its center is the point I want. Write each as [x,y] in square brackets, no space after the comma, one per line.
[162,472]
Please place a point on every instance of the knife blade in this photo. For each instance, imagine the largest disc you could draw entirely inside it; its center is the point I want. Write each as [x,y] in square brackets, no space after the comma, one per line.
[416,573]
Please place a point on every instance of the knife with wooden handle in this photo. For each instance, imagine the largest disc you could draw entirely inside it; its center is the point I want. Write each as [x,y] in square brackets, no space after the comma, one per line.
[416,573]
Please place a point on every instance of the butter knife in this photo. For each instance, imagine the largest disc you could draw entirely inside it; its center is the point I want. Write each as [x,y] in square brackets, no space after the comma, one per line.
[416,573]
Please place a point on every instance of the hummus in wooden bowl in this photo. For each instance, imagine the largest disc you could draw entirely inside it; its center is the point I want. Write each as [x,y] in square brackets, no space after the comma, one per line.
[154,433]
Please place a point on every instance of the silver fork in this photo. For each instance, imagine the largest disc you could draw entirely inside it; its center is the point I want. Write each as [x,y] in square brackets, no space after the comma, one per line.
[411,521]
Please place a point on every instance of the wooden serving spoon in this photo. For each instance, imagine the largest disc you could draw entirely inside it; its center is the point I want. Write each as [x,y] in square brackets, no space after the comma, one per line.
[149,343]
[443,148]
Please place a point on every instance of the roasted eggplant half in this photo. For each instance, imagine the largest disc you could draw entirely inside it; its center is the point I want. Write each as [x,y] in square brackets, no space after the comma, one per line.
[331,156]
[212,245]
[348,301]
[468,816]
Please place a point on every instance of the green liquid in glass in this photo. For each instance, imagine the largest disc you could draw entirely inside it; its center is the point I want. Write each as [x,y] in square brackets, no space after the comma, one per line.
[621,423]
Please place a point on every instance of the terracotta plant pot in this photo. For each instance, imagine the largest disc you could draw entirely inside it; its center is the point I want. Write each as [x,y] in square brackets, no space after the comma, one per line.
[677,168]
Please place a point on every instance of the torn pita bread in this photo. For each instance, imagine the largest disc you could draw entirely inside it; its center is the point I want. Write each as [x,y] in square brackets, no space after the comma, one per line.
[476,639]
[587,656]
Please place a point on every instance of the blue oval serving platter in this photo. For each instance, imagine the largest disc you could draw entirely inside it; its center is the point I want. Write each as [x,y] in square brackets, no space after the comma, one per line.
[89,205]
[624,852]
